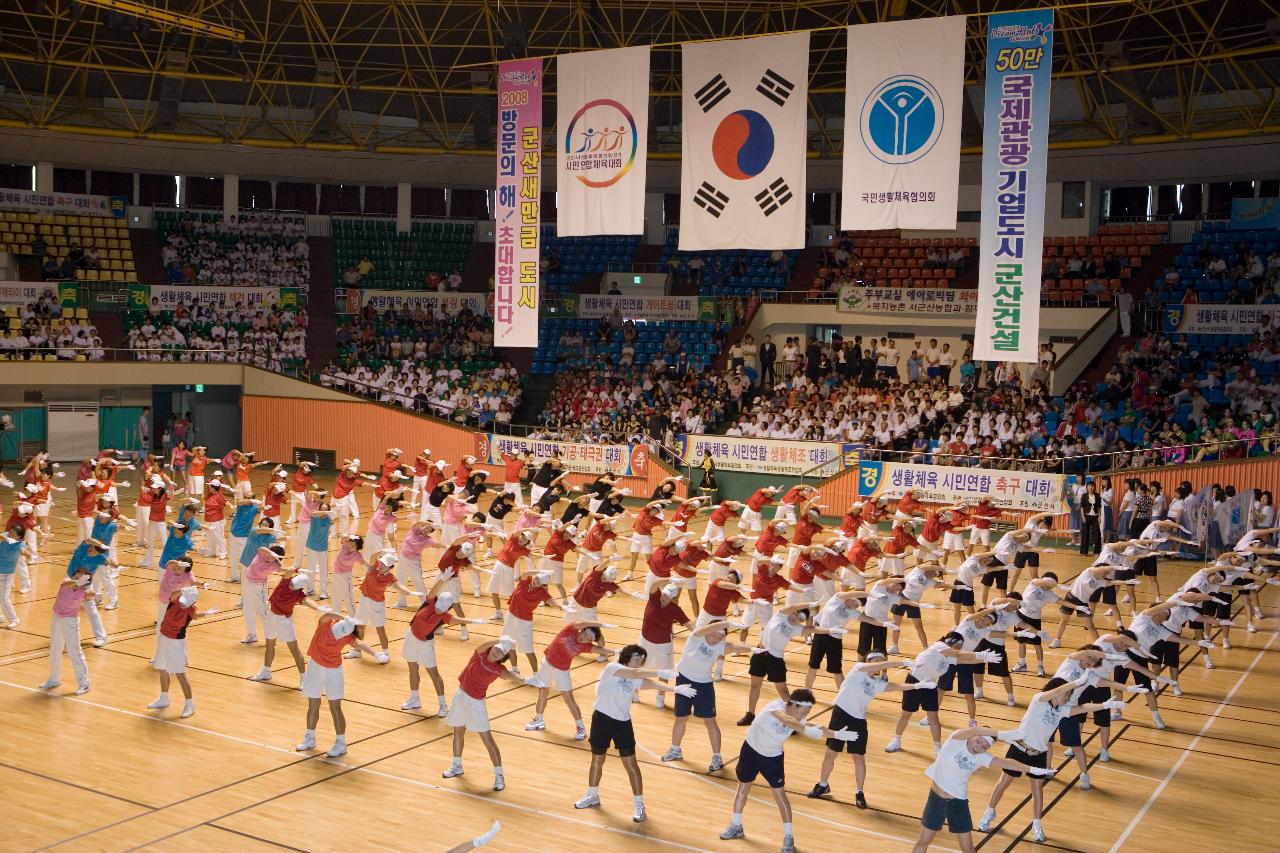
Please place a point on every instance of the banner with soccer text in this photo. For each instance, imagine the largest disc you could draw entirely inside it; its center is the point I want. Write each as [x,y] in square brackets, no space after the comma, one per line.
[742,169]
[1014,490]
[167,297]
[904,91]
[517,204]
[73,204]
[1015,142]
[1208,319]
[602,147]
[624,460]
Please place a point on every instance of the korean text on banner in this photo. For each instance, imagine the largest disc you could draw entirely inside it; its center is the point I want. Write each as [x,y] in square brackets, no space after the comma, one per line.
[602,116]
[904,91]
[920,301]
[431,301]
[1014,159]
[115,206]
[1221,319]
[163,296]
[766,455]
[517,209]
[621,459]
[742,155]
[1016,490]
[26,293]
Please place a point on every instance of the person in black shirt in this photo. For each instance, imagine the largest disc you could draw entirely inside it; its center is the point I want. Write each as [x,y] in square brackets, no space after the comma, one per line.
[666,490]
[612,505]
[435,500]
[578,508]
[493,522]
[1090,520]
[548,473]
[477,483]
[599,489]
[550,497]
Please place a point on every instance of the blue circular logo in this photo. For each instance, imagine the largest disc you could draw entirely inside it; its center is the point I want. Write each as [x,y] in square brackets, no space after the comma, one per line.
[901,119]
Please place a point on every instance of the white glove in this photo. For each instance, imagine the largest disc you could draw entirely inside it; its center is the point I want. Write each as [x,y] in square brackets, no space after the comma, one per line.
[926,606]
[667,674]
[1136,688]
[211,611]
[837,632]
[989,657]
[327,609]
[845,735]
[1224,623]
[1164,679]
[924,685]
[1273,581]
[1113,705]
[383,657]
[1205,644]
[482,840]
[1116,658]
[206,585]
[1084,611]
[814,732]
[1026,635]
[1046,772]
[688,691]
[757,651]
[1249,587]
[639,596]
[533,681]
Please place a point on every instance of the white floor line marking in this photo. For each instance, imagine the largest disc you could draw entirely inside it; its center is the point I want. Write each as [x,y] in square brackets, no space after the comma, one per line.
[492,801]
[1107,767]
[1189,748]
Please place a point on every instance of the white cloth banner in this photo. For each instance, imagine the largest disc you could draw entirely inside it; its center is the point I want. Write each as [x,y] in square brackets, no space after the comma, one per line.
[64,203]
[1209,319]
[1018,490]
[430,301]
[766,456]
[593,307]
[904,90]
[602,117]
[168,296]
[26,292]
[907,300]
[742,169]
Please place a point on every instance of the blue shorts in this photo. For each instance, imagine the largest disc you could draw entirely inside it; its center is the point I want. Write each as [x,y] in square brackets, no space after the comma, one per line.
[953,813]
[752,764]
[703,706]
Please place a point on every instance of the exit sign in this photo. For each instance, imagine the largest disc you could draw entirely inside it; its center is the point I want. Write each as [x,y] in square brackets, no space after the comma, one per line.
[199,389]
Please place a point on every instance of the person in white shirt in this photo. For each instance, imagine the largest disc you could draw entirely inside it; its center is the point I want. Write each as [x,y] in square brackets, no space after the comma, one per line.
[769,662]
[761,755]
[866,682]
[929,667]
[702,650]
[611,722]
[965,752]
[1036,595]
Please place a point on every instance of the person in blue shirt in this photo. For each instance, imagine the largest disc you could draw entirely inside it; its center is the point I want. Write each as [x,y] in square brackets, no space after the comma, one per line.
[178,543]
[189,514]
[12,549]
[105,526]
[247,509]
[316,558]
[262,536]
[90,556]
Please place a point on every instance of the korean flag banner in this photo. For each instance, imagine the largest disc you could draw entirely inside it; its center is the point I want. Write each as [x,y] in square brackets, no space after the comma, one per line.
[904,90]
[742,175]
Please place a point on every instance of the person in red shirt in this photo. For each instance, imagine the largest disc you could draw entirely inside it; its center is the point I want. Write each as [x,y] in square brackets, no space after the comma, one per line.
[518,546]
[171,650]
[600,537]
[722,593]
[419,648]
[686,509]
[803,574]
[661,614]
[858,555]
[769,541]
[714,531]
[872,514]
[157,523]
[86,507]
[462,473]
[302,481]
[684,574]
[909,507]
[981,516]
[344,495]
[273,500]
[530,591]
[390,465]
[851,522]
[766,583]
[422,466]
[648,520]
[792,499]
[953,535]
[468,711]
[372,609]
[805,529]
[576,638]
[287,595]
[215,509]
[515,467]
[243,468]
[901,538]
[593,587]
[323,677]
[751,515]
[663,559]
[936,523]
[563,539]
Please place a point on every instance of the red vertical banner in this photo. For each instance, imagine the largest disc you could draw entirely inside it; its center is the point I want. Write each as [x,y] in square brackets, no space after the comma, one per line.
[517,213]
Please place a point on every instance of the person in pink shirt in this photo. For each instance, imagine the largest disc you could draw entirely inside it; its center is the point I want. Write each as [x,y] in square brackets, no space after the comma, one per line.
[64,632]
[307,504]
[453,514]
[254,592]
[381,533]
[529,517]
[410,553]
[350,553]
[176,575]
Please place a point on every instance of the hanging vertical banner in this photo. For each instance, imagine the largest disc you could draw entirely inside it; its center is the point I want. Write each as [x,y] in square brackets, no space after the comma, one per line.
[602,118]
[742,169]
[517,214]
[1015,143]
[904,85]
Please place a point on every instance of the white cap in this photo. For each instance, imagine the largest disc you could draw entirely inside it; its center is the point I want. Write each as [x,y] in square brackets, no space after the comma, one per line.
[83,580]
[29,488]
[387,559]
[278,487]
[543,578]
[571,530]
[671,591]
[469,459]
[466,549]
[610,574]
[445,600]
[87,484]
[215,482]
[426,451]
[777,561]
[395,451]
[277,551]
[344,627]
[395,475]
[440,463]
[306,465]
[781,527]
[299,580]
[156,483]
[679,546]
[280,473]
[505,644]
[25,509]
[188,596]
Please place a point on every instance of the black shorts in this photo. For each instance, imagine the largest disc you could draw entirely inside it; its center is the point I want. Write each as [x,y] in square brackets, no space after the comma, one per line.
[702,706]
[1220,607]
[961,596]
[999,669]
[1094,695]
[952,813]
[1069,605]
[1122,674]
[1031,623]
[998,578]
[1165,653]
[842,719]
[871,638]
[1068,733]
[960,676]
[1145,567]
[911,611]
[826,648]
[606,732]
[752,764]
[1026,558]
[1126,574]
[765,665]
[919,700]
[1040,759]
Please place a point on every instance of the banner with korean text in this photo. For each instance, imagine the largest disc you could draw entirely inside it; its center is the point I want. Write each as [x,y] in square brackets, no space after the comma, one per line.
[517,206]
[904,91]
[602,118]
[768,455]
[627,460]
[168,297]
[71,204]
[28,292]
[921,301]
[1015,490]
[430,301]
[1014,161]
[592,307]
[1221,319]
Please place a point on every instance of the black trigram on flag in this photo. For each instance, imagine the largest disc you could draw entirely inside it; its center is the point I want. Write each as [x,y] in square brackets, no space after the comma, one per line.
[711,199]
[713,92]
[773,196]
[775,87]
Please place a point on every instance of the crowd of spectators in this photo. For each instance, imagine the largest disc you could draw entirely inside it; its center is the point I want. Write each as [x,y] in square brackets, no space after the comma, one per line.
[40,329]
[272,338]
[250,250]
[54,268]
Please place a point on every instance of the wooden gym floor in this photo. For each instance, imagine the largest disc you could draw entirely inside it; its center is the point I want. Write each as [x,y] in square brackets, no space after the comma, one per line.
[100,772]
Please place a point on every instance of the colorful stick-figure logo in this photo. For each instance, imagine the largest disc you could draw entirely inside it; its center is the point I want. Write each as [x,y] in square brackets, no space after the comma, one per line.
[600,143]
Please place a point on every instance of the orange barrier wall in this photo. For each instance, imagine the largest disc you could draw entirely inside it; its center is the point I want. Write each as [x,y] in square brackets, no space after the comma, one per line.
[274,426]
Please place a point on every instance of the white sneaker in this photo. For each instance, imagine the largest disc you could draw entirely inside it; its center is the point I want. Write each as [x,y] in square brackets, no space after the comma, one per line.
[1040,671]
[924,723]
[1037,832]
[988,818]
[263,674]
[307,743]
[82,689]
[14,624]
[1208,661]
[188,709]
[352,654]
[733,831]
[162,702]
[1177,689]
[893,650]
[673,754]
[977,694]
[1252,628]
[894,745]
[590,801]
[338,749]
[1011,702]
[537,724]
[463,635]
[499,782]
[453,771]
[1085,784]
[249,640]
[638,815]
[411,705]
[99,642]
[1020,666]
[580,732]
[1056,644]
[1226,644]
[112,605]
[1157,720]
[1104,754]
[1069,752]
[49,685]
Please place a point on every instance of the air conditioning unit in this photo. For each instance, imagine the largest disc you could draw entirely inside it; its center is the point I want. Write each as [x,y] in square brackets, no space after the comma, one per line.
[72,431]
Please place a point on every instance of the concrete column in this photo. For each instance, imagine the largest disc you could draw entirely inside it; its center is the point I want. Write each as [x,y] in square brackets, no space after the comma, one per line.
[137,188]
[230,195]
[44,177]
[655,233]
[404,207]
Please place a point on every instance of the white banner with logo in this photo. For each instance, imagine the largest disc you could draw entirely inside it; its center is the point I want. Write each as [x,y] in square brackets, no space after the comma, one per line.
[168,296]
[627,460]
[921,301]
[742,163]
[26,292]
[904,90]
[431,301]
[767,455]
[602,113]
[1015,490]
[1221,319]
[72,204]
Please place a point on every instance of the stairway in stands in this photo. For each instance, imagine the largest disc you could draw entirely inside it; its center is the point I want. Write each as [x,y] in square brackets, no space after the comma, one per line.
[321,306]
[147,255]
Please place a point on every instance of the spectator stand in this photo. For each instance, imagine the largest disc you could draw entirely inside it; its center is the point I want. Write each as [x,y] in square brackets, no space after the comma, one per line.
[423,259]
[733,273]
[252,249]
[1194,278]
[1089,270]
[577,342]
[567,261]
[84,248]
[43,331]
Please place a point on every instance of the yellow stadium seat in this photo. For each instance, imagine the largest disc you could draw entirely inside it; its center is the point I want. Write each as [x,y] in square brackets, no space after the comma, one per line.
[68,313]
[82,313]
[131,277]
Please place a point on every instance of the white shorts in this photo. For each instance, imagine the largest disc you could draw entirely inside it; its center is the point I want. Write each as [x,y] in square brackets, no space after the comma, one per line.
[285,632]
[952,541]
[588,560]
[593,504]
[535,492]
[805,596]
[555,567]
[757,611]
[641,543]
[42,509]
[422,652]
[927,551]
[713,533]
[320,681]
[372,613]
[786,512]
[467,711]
[520,630]
[892,564]
[171,655]
[495,526]
[346,505]
[899,515]
[658,655]
[704,619]
[432,514]
[685,583]
[751,520]
[549,676]
[577,613]
[853,578]
[977,536]
[503,579]
[823,588]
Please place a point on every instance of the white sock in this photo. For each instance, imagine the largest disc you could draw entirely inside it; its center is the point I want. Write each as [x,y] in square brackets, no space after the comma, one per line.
[786,829]
[497,771]
[736,820]
[537,718]
[457,762]
[579,724]
[311,732]
[593,791]
[340,739]
[413,694]
[639,800]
